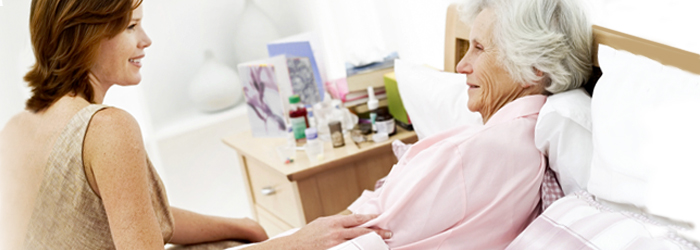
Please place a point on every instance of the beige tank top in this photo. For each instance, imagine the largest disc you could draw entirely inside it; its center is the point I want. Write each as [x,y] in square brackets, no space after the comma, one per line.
[67,213]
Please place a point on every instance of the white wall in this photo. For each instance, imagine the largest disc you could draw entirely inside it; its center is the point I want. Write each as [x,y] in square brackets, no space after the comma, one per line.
[202,173]
[184,143]
[671,22]
[14,47]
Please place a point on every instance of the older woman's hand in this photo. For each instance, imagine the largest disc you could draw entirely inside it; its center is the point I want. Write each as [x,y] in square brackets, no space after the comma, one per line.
[326,232]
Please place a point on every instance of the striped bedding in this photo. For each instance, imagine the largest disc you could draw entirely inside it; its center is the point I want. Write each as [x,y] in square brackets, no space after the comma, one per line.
[579,222]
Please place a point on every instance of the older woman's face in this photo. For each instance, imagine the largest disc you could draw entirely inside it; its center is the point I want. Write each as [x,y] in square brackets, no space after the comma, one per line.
[488,81]
[119,58]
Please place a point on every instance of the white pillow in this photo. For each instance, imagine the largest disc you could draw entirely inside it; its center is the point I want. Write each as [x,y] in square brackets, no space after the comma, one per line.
[563,133]
[646,122]
[435,101]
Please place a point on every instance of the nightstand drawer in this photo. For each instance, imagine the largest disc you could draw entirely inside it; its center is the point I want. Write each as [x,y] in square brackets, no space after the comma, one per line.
[272,225]
[275,193]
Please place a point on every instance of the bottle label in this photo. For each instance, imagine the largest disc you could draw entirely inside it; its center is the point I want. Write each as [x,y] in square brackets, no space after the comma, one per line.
[337,138]
[298,126]
[387,126]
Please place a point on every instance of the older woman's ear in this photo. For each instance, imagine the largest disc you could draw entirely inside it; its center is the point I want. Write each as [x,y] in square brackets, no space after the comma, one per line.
[538,86]
[538,72]
[539,82]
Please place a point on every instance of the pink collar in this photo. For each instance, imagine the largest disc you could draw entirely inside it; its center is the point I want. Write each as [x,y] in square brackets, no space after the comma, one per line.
[522,106]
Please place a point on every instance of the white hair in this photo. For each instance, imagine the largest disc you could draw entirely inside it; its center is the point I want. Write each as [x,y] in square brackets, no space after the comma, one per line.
[552,36]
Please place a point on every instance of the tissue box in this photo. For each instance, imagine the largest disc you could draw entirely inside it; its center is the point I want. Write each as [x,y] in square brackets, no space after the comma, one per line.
[395,103]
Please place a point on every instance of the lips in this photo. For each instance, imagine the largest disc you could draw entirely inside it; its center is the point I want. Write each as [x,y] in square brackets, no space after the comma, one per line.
[473,86]
[136,61]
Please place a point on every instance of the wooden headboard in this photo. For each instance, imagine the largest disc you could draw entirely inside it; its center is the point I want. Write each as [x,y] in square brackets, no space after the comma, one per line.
[457,43]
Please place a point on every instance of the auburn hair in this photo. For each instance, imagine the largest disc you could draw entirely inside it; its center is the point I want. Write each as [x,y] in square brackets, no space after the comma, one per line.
[66,36]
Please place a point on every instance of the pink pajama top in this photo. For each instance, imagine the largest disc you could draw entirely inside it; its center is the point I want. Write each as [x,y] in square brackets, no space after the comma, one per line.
[472,187]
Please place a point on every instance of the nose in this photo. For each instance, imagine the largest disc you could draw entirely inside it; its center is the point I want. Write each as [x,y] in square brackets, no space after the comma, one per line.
[464,66]
[145,41]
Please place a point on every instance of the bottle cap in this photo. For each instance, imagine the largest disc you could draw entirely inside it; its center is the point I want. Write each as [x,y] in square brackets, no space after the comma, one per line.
[372,103]
[294,99]
[336,103]
[311,133]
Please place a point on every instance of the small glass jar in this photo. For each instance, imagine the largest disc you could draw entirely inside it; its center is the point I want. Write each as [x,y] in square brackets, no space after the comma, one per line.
[385,122]
[336,134]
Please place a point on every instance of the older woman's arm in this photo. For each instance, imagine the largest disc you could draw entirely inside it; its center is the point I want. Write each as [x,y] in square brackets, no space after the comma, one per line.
[191,228]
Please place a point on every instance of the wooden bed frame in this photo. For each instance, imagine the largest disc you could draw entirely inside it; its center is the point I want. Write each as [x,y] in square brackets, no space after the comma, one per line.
[457,44]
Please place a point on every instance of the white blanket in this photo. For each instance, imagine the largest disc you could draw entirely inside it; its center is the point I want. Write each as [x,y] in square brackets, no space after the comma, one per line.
[370,241]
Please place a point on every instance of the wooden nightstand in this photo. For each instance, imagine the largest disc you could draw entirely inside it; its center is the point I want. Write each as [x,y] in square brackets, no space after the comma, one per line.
[285,196]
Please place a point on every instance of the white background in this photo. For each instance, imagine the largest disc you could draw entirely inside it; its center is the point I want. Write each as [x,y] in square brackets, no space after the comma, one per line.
[199,171]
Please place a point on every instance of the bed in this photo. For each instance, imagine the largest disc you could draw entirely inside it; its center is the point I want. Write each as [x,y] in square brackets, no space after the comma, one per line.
[606,207]
[623,206]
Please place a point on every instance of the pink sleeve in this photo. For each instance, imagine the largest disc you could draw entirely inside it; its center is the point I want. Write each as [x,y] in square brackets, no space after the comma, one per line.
[366,197]
[411,203]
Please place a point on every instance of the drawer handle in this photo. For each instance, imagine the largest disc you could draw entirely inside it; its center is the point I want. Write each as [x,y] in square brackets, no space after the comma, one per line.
[268,190]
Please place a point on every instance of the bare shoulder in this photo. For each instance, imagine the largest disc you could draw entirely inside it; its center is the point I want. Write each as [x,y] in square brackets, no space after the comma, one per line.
[17,121]
[8,133]
[14,130]
[113,133]
[114,156]
[113,121]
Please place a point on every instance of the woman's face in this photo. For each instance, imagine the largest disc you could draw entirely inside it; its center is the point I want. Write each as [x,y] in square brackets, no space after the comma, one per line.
[488,81]
[119,58]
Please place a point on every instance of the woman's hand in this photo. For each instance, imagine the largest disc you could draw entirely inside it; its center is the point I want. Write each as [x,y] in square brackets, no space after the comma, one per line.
[327,232]
[324,233]
[255,232]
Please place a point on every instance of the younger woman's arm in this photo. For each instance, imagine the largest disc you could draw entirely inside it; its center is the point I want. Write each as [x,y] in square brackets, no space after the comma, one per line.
[115,160]
[193,228]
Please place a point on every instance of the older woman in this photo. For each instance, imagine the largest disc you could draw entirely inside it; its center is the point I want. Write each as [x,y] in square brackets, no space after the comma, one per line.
[478,187]
[75,174]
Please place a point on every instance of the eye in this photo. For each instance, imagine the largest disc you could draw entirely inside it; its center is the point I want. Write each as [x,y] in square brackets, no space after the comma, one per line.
[131,27]
[476,46]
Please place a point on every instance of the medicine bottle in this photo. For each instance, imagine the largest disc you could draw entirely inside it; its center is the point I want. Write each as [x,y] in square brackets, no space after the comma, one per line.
[297,116]
[336,134]
[372,105]
[385,122]
[291,139]
[310,116]
[314,146]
